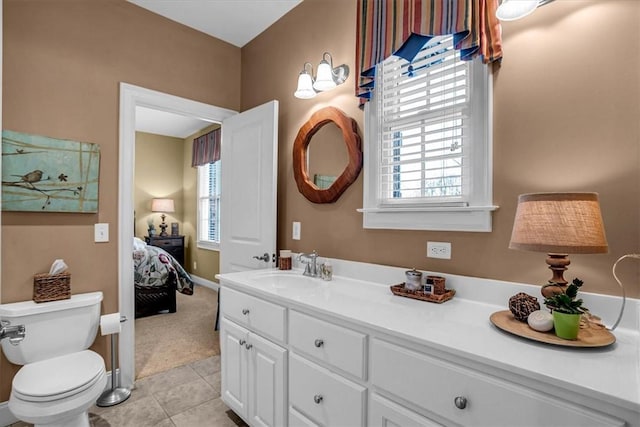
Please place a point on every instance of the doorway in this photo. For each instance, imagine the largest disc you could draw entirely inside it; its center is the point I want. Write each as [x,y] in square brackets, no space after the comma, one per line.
[131,97]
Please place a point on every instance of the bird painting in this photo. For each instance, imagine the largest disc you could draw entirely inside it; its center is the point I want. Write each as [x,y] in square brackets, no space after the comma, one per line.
[43,174]
[31,177]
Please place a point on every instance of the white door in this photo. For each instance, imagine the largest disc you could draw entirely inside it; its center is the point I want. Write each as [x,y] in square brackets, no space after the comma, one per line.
[248,189]
[267,364]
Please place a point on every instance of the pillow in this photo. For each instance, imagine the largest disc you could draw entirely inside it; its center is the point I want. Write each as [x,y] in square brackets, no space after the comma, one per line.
[138,244]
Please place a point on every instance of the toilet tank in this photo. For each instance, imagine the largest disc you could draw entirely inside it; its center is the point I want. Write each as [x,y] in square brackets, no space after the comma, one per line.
[52,328]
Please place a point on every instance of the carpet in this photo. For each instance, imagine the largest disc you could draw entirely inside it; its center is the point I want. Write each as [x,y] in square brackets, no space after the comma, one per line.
[168,340]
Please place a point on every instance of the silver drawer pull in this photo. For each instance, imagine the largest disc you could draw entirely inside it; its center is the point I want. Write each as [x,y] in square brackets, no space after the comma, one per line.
[318,343]
[317,398]
[245,311]
[242,342]
[461,402]
[248,346]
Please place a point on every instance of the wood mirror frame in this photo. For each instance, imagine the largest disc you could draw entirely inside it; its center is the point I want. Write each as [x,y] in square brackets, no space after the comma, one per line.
[349,129]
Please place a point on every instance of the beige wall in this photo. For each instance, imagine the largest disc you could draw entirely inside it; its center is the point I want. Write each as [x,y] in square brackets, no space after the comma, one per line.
[63,62]
[158,174]
[566,108]
[208,261]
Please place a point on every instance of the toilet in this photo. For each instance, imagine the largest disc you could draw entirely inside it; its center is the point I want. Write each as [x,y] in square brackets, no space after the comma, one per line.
[60,379]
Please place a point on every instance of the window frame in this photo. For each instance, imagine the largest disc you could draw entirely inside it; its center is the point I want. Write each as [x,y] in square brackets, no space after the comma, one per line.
[476,215]
[206,244]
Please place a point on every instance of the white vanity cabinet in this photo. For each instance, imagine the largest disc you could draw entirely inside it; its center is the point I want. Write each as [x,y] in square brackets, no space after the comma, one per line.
[461,396]
[350,353]
[253,367]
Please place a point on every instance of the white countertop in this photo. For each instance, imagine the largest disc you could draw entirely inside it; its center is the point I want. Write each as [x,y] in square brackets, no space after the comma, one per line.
[461,326]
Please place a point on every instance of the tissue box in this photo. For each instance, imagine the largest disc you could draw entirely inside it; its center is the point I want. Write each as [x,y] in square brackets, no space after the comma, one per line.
[51,287]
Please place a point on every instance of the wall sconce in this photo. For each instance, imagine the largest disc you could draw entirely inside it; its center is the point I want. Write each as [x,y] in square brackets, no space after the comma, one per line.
[327,78]
[510,10]
[162,205]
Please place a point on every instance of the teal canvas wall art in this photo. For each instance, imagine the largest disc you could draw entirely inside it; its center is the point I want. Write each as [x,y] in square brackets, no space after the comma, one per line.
[42,174]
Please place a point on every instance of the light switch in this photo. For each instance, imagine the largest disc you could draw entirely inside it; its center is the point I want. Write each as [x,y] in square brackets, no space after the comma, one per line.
[101,232]
[295,231]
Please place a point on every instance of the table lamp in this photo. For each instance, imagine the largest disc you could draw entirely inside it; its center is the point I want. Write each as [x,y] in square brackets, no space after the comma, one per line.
[559,224]
[164,206]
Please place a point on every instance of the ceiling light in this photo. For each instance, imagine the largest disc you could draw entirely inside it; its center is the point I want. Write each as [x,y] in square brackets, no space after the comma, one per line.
[510,10]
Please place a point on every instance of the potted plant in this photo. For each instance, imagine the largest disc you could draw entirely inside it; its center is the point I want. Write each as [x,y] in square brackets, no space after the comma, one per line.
[567,311]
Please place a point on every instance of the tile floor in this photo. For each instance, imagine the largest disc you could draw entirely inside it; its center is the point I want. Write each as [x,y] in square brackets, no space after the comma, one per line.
[186,396]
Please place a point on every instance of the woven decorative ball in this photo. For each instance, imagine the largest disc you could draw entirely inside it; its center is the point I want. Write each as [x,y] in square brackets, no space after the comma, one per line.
[521,305]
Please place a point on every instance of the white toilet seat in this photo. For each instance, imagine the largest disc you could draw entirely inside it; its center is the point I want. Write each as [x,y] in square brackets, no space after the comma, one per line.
[58,378]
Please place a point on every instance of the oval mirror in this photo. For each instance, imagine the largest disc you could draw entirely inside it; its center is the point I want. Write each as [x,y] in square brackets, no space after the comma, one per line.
[327,185]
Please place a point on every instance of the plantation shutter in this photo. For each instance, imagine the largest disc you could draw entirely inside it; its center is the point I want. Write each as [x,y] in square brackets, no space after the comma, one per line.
[425,118]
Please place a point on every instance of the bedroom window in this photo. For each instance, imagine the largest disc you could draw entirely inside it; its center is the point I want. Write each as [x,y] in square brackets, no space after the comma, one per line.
[428,152]
[209,206]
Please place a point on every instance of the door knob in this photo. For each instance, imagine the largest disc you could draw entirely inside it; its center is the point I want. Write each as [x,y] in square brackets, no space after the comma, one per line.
[264,257]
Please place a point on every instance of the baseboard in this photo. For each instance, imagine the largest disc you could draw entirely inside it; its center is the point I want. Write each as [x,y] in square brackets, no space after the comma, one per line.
[7,418]
[204,282]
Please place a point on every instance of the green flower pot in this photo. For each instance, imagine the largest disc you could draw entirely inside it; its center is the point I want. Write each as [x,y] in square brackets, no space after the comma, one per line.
[566,325]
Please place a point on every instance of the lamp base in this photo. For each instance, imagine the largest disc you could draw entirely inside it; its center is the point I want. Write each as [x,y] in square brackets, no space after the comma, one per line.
[163,226]
[558,265]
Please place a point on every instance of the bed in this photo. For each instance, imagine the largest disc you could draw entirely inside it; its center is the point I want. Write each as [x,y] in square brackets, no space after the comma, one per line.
[157,277]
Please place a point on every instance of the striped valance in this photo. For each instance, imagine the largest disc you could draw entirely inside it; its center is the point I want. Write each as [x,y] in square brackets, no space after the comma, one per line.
[402,27]
[206,148]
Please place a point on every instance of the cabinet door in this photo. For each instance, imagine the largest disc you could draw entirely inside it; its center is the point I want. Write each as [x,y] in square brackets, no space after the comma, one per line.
[234,362]
[267,367]
[385,413]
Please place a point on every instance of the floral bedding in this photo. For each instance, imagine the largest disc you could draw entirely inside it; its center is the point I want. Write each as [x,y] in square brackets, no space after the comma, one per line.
[152,266]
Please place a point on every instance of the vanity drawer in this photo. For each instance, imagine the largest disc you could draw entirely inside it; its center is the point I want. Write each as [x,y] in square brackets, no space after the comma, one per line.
[260,316]
[434,385]
[334,345]
[323,397]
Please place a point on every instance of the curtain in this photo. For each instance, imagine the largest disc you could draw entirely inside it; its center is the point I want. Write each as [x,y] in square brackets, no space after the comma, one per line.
[206,148]
[402,27]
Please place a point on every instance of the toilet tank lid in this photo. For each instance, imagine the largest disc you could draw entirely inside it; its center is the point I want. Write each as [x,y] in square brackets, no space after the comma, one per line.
[27,308]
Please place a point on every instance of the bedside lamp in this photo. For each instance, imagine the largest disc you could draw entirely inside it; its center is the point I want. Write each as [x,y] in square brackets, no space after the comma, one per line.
[559,224]
[164,206]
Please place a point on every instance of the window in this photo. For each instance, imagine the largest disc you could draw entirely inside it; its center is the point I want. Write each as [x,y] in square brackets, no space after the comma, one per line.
[428,143]
[209,206]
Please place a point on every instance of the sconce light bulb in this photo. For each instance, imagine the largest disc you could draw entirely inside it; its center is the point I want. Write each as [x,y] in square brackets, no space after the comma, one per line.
[305,86]
[324,79]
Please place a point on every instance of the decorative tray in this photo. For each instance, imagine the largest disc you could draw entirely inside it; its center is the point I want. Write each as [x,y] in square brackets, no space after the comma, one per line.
[590,336]
[401,291]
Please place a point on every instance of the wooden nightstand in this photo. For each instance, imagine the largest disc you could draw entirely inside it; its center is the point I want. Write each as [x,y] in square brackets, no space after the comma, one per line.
[174,245]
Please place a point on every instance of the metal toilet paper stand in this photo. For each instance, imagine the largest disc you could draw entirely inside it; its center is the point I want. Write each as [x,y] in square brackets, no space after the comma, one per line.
[117,394]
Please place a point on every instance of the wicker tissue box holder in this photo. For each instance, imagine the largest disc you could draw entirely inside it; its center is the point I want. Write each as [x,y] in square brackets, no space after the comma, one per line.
[51,287]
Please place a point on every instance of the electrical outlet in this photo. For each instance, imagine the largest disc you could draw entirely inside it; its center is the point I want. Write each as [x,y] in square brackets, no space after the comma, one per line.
[296,230]
[195,265]
[439,250]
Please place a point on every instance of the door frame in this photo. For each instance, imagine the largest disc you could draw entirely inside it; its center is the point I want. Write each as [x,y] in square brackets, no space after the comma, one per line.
[131,97]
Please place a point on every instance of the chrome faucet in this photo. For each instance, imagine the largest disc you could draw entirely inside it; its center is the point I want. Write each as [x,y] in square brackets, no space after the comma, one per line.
[14,333]
[311,261]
